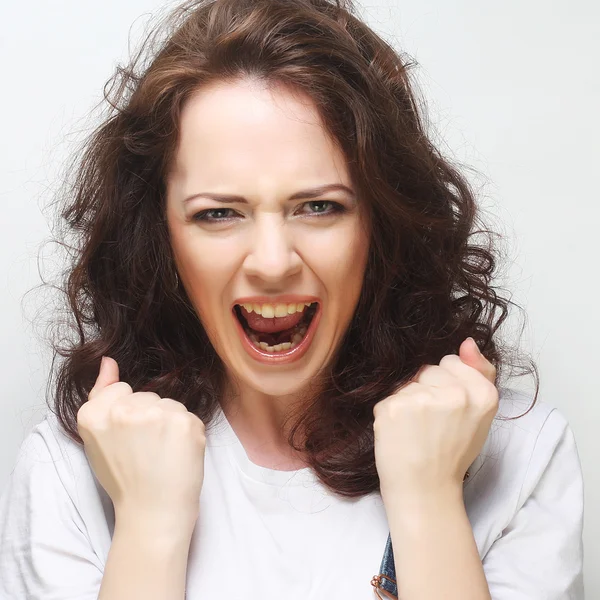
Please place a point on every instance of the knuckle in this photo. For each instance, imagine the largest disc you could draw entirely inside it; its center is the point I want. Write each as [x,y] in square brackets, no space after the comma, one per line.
[187,424]
[145,397]
[171,404]
[425,370]
[459,396]
[129,413]
[153,413]
[449,359]
[424,398]
[383,412]
[119,412]
[181,419]
[488,397]
[493,398]
[197,422]
[83,415]
[376,417]
[457,390]
[118,389]
[199,433]
[378,409]
[89,417]
[82,410]
[123,387]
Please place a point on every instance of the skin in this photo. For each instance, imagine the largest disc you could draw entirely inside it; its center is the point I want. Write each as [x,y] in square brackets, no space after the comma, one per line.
[263,144]
[427,434]
[266,144]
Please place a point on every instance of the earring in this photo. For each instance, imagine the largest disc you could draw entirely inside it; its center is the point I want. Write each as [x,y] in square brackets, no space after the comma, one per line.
[176,281]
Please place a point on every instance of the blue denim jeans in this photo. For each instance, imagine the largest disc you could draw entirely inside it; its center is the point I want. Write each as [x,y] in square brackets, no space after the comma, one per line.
[386,579]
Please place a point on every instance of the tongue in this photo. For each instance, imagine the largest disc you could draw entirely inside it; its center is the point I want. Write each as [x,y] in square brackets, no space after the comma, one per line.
[263,325]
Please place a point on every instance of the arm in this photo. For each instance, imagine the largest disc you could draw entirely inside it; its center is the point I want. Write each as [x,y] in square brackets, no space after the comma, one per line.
[539,554]
[45,551]
[145,561]
[435,554]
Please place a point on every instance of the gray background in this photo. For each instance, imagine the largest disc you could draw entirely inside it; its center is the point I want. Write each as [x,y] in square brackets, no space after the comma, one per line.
[512,90]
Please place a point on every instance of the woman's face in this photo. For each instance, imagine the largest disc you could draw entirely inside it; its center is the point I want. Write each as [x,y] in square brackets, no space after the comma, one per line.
[250,264]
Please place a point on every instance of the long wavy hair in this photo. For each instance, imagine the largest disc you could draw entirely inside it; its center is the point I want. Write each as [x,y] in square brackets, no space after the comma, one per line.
[429,277]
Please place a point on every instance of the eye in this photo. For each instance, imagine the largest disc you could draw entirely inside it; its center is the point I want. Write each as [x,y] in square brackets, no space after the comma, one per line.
[212,215]
[321,207]
[316,208]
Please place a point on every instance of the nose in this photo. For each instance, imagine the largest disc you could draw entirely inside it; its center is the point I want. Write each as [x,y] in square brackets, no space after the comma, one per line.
[272,256]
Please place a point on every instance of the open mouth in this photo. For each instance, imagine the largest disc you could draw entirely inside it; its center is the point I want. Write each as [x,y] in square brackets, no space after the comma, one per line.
[273,334]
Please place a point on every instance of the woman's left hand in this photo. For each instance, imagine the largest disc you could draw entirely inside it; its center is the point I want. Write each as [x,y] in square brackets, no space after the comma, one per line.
[429,432]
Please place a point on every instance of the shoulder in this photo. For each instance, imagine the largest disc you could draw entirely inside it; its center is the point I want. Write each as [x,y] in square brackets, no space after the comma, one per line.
[527,446]
[528,432]
[52,539]
[51,468]
[521,441]
[520,428]
[52,474]
[525,502]
[48,459]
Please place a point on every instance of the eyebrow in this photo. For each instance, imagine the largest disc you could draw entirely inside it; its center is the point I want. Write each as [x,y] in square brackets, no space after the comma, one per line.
[301,195]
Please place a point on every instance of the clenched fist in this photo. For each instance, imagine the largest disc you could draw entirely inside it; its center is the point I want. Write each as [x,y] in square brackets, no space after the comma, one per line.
[146,451]
[429,432]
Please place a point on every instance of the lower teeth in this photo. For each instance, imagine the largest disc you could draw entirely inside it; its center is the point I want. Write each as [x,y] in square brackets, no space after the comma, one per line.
[296,339]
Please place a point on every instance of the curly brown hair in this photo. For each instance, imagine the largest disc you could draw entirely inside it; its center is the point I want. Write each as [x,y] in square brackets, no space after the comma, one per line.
[428,281]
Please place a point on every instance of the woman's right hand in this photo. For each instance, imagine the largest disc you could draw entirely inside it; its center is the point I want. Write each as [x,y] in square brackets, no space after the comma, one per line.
[147,452]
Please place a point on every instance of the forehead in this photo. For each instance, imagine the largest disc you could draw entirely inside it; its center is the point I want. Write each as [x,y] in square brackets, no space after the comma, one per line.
[245,130]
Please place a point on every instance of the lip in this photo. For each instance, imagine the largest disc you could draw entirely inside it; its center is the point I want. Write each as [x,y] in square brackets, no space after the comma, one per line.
[283,357]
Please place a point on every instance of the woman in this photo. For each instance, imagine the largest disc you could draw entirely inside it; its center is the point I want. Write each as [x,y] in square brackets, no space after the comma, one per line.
[277,270]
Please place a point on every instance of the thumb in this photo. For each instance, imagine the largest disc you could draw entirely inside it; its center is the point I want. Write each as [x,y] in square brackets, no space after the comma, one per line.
[109,373]
[471,355]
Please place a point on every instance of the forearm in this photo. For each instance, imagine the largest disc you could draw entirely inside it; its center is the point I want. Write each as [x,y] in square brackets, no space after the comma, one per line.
[144,564]
[435,554]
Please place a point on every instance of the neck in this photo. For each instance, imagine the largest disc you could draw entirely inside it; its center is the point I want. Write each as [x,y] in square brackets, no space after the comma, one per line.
[262,423]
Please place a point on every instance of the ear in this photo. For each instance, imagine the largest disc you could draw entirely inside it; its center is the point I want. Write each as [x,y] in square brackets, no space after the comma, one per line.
[469,353]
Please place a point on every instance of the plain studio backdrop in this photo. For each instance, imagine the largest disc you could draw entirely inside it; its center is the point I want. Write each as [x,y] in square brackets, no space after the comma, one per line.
[512,90]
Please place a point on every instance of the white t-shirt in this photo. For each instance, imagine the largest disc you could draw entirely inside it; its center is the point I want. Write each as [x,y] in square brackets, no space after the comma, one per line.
[266,535]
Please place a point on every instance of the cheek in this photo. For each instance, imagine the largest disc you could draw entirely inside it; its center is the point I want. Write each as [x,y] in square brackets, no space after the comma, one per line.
[341,256]
[338,260]
[350,274]
[205,271]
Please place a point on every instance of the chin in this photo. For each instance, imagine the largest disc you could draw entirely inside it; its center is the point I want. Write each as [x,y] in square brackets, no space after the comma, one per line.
[278,384]
[276,381]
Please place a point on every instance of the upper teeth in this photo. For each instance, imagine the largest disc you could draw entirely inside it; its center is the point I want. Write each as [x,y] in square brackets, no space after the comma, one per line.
[276,310]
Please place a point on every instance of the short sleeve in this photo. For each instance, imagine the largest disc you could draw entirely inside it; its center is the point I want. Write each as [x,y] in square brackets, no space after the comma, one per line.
[539,555]
[44,552]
